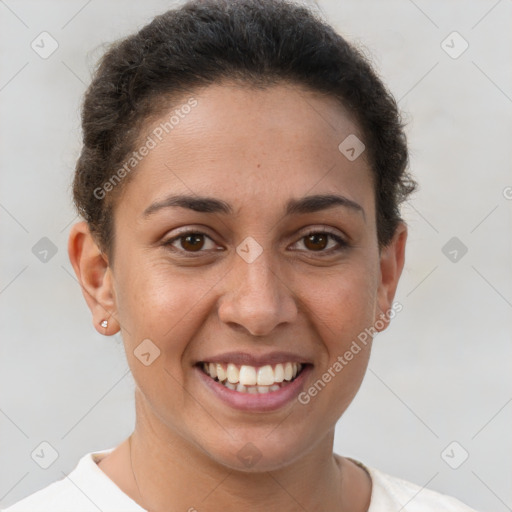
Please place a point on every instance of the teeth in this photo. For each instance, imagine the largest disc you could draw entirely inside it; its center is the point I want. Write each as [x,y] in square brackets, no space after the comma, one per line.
[249,379]
[288,371]
[279,373]
[221,373]
[232,373]
[248,375]
[265,376]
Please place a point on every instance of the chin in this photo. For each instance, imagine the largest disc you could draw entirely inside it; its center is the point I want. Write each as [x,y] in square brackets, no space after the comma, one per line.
[255,453]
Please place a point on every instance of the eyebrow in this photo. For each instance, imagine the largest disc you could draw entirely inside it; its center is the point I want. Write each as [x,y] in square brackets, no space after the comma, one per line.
[308,204]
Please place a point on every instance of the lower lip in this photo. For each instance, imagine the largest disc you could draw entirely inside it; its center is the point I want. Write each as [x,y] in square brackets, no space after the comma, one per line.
[261,402]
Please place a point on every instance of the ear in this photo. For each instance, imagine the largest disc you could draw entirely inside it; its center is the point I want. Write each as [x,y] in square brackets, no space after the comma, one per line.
[392,260]
[95,277]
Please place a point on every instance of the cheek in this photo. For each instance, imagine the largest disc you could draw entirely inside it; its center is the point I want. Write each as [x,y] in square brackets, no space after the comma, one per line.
[344,301]
[342,307]
[161,304]
[167,307]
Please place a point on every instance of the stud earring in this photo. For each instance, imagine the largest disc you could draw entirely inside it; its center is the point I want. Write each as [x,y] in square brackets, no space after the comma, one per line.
[104,324]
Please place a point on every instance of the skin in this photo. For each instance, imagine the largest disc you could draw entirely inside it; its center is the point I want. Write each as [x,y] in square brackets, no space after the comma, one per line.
[254,149]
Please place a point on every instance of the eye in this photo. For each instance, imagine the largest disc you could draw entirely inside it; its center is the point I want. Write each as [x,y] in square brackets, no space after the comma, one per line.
[190,241]
[317,241]
[314,241]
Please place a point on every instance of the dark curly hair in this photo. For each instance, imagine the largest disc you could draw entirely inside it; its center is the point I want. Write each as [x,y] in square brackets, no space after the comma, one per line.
[257,42]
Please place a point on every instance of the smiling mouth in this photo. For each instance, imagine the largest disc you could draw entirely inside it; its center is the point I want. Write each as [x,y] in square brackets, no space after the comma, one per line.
[252,379]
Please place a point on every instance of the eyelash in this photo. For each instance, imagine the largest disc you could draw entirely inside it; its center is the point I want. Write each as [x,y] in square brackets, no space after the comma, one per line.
[342,244]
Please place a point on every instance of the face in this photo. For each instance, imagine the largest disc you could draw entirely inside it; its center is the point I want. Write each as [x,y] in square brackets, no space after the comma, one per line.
[264,282]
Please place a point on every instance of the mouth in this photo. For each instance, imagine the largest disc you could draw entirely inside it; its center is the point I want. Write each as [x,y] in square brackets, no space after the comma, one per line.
[253,379]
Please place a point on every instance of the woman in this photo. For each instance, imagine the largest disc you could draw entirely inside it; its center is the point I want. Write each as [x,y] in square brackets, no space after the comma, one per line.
[240,183]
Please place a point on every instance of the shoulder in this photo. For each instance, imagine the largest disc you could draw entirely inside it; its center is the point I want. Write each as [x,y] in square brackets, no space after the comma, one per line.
[390,493]
[85,489]
[56,497]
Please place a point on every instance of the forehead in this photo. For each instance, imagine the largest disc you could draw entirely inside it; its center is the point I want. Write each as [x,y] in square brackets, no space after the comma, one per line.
[251,146]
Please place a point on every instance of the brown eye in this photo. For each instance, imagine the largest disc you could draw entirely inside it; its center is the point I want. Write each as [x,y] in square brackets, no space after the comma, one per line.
[190,242]
[193,242]
[316,241]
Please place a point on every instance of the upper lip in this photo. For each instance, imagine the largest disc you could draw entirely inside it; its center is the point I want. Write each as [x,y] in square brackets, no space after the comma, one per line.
[244,358]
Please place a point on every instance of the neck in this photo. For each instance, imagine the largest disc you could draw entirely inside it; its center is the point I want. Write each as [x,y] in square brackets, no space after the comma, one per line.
[180,476]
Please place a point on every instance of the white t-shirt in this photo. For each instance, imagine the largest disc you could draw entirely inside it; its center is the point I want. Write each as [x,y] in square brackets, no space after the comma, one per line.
[88,489]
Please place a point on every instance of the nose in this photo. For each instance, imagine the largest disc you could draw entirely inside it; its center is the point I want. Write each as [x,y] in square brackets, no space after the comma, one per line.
[257,297]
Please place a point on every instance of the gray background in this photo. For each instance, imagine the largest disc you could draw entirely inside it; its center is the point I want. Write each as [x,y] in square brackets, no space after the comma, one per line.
[441,373]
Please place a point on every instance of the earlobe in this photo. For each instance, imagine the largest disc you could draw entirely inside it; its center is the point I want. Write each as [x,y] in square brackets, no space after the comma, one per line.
[392,261]
[95,278]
